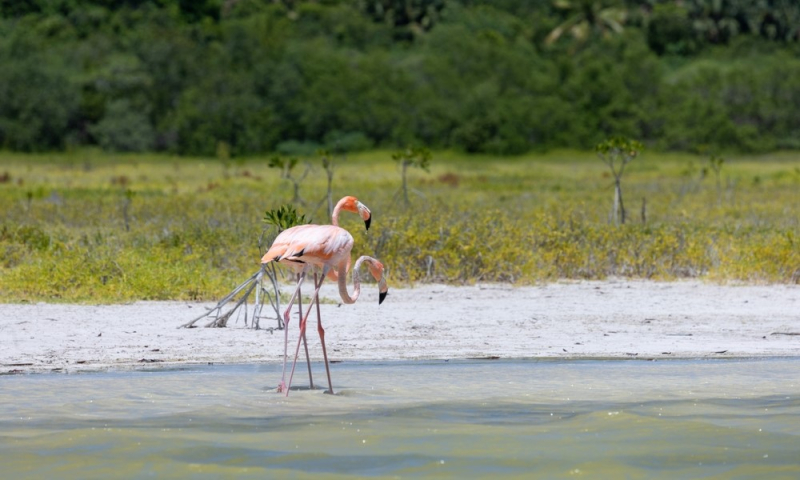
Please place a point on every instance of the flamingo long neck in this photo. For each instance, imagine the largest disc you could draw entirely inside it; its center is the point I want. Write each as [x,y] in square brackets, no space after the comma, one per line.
[335,214]
[342,274]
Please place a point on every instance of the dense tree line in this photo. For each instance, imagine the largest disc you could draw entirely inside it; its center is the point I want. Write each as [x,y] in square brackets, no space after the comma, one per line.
[507,76]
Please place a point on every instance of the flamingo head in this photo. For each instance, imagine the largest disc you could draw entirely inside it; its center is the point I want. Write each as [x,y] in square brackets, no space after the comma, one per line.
[383,290]
[351,204]
[376,270]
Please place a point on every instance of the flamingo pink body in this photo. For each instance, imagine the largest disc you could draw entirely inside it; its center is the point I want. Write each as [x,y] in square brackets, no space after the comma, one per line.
[312,245]
[324,248]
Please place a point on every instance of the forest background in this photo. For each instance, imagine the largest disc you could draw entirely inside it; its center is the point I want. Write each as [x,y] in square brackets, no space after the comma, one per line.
[141,141]
[501,77]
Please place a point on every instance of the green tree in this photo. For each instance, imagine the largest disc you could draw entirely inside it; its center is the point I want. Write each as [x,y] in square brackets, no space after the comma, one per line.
[408,17]
[715,165]
[286,166]
[223,108]
[670,31]
[617,152]
[588,17]
[419,157]
[39,92]
[262,76]
[123,129]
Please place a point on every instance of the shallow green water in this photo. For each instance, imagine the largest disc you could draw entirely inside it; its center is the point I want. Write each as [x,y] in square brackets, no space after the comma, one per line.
[547,419]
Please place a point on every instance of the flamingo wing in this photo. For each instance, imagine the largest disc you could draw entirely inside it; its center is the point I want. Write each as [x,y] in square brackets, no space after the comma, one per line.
[323,244]
[314,244]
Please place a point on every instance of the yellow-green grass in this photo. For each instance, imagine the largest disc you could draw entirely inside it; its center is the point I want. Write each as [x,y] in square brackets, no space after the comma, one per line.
[97,227]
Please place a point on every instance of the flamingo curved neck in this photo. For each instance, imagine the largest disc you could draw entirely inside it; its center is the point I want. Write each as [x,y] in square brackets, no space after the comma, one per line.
[342,280]
[335,214]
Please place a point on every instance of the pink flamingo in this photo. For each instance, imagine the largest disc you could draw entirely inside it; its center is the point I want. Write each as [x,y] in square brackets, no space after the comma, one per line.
[326,248]
[375,269]
[348,203]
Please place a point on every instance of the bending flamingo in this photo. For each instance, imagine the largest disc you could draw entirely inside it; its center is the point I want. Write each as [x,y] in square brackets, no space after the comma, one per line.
[375,269]
[295,247]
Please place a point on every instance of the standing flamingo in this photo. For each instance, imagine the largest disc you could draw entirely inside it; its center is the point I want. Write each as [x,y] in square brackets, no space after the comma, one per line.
[309,247]
[348,203]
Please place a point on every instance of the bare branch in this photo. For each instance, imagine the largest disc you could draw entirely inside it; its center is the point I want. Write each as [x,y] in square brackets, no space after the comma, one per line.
[250,282]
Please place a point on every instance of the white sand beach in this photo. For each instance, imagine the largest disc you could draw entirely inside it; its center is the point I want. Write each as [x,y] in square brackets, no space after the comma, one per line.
[608,319]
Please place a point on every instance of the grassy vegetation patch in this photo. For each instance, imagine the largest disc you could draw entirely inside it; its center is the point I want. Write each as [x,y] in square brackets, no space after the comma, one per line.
[87,226]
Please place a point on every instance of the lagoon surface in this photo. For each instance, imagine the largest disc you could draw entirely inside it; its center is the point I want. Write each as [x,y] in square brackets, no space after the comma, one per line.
[479,418]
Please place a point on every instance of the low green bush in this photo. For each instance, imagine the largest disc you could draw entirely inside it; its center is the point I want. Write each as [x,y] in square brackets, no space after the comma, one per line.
[193,226]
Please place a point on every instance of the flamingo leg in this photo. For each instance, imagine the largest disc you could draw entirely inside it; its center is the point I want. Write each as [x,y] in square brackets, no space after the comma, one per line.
[305,343]
[286,315]
[303,322]
[321,332]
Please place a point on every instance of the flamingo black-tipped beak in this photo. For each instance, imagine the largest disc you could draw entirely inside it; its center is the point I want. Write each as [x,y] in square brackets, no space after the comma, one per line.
[382,297]
[367,222]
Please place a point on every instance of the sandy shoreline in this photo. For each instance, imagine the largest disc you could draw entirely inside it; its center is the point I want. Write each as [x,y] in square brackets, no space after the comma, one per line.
[610,319]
